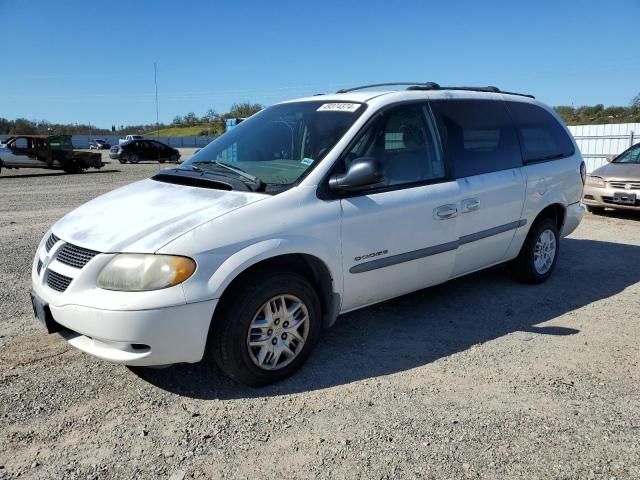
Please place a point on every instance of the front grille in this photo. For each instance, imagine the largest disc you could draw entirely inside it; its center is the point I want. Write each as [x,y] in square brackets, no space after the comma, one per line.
[625,185]
[76,257]
[39,266]
[57,282]
[51,241]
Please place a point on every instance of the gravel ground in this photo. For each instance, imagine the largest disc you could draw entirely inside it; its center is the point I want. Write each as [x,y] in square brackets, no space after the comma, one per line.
[477,378]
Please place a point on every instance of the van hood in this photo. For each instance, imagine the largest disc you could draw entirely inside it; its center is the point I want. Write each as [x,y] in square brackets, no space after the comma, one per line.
[146,215]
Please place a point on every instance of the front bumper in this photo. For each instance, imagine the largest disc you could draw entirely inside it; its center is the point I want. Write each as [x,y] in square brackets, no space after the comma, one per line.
[135,328]
[144,337]
[603,197]
[114,156]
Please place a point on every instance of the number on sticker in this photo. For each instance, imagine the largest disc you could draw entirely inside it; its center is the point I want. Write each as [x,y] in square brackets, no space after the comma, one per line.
[339,107]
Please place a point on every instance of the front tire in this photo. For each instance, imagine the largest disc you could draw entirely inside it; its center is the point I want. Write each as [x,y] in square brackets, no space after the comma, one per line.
[539,254]
[122,160]
[134,158]
[266,328]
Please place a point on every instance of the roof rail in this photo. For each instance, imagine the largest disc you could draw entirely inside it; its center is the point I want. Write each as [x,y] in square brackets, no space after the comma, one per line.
[489,88]
[362,87]
[434,86]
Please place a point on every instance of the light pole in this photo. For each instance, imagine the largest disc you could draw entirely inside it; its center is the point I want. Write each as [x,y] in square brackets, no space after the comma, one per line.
[155,77]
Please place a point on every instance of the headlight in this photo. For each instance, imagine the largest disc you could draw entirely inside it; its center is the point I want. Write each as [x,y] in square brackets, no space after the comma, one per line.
[133,272]
[595,181]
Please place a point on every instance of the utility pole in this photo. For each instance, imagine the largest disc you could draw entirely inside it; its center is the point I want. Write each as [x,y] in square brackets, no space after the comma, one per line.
[155,76]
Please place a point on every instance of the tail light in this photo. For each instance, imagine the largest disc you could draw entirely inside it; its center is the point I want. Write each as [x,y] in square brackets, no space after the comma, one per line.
[583,172]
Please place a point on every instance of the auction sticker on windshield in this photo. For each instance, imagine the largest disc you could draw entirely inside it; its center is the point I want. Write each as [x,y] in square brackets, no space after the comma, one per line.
[339,107]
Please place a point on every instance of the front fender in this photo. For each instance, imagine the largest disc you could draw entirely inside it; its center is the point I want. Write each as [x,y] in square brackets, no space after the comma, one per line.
[230,267]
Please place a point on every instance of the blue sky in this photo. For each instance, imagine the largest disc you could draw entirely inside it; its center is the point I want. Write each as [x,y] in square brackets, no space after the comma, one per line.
[92,61]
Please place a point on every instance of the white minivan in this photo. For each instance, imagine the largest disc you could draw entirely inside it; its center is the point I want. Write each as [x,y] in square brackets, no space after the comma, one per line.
[309,209]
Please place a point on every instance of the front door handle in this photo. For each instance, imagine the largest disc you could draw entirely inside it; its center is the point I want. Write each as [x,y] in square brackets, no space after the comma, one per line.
[445,211]
[470,205]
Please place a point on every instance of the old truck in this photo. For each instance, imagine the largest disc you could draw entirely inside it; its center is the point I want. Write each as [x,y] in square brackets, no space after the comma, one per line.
[46,151]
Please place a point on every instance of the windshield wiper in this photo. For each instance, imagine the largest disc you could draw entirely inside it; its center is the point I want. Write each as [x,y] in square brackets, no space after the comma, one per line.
[237,171]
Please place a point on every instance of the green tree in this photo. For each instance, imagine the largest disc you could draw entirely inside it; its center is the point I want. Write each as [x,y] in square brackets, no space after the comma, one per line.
[211,116]
[22,126]
[243,110]
[190,119]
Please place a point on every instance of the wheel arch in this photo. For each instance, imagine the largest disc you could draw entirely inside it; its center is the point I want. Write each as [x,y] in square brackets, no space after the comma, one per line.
[556,211]
[310,266]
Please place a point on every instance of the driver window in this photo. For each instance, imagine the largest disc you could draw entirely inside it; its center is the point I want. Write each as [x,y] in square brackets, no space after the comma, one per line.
[403,140]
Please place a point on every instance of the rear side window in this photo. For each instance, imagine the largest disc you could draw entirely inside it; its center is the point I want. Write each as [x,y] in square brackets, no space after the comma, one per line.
[478,136]
[541,135]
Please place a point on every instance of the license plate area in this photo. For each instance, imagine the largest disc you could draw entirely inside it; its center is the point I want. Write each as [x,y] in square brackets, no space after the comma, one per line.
[42,314]
[624,198]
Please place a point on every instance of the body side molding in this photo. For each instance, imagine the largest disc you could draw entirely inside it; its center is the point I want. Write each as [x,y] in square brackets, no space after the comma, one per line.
[436,249]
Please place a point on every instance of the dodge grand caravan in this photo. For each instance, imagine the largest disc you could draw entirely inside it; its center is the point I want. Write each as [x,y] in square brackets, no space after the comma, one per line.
[311,208]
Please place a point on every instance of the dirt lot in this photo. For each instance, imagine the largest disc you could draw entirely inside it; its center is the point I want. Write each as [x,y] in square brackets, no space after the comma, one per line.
[477,378]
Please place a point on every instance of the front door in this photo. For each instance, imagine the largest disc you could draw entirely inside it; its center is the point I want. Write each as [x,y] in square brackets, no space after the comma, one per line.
[150,150]
[400,235]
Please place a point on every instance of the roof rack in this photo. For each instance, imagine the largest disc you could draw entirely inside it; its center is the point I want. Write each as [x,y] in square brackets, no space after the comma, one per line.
[435,86]
[392,84]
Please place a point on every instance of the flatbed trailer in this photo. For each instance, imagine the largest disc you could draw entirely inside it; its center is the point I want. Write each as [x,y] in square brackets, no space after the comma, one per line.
[46,151]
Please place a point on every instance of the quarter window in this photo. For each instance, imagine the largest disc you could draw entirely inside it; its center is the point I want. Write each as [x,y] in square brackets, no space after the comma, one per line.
[478,136]
[403,140]
[541,135]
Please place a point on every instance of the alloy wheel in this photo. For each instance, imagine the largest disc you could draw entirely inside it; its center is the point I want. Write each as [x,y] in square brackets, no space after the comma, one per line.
[544,252]
[278,332]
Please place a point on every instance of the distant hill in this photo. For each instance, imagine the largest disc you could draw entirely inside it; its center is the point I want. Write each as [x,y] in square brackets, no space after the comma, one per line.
[181,131]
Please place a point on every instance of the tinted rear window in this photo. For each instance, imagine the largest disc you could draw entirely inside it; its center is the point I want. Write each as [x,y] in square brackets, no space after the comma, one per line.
[478,136]
[541,135]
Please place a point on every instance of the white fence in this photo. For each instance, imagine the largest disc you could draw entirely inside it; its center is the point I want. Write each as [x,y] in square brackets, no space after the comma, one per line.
[597,142]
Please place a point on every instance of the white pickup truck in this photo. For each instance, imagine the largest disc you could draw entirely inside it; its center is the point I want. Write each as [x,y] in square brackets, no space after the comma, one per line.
[128,138]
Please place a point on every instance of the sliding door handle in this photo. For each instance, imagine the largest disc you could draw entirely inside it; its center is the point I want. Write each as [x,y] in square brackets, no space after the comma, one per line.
[445,211]
[470,204]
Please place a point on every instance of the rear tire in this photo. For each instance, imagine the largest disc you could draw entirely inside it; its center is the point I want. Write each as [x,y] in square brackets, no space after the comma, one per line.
[539,254]
[266,328]
[595,210]
[72,167]
[173,158]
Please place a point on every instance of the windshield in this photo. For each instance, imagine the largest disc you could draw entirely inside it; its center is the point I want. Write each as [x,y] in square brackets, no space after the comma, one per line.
[630,156]
[279,144]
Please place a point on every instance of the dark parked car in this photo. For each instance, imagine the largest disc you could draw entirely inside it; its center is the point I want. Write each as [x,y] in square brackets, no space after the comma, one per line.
[138,150]
[99,145]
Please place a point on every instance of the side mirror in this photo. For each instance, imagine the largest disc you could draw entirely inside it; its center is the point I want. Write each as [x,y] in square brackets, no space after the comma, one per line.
[363,171]
[611,158]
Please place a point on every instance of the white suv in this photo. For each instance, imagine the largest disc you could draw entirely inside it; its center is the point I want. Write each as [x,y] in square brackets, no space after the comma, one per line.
[309,209]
